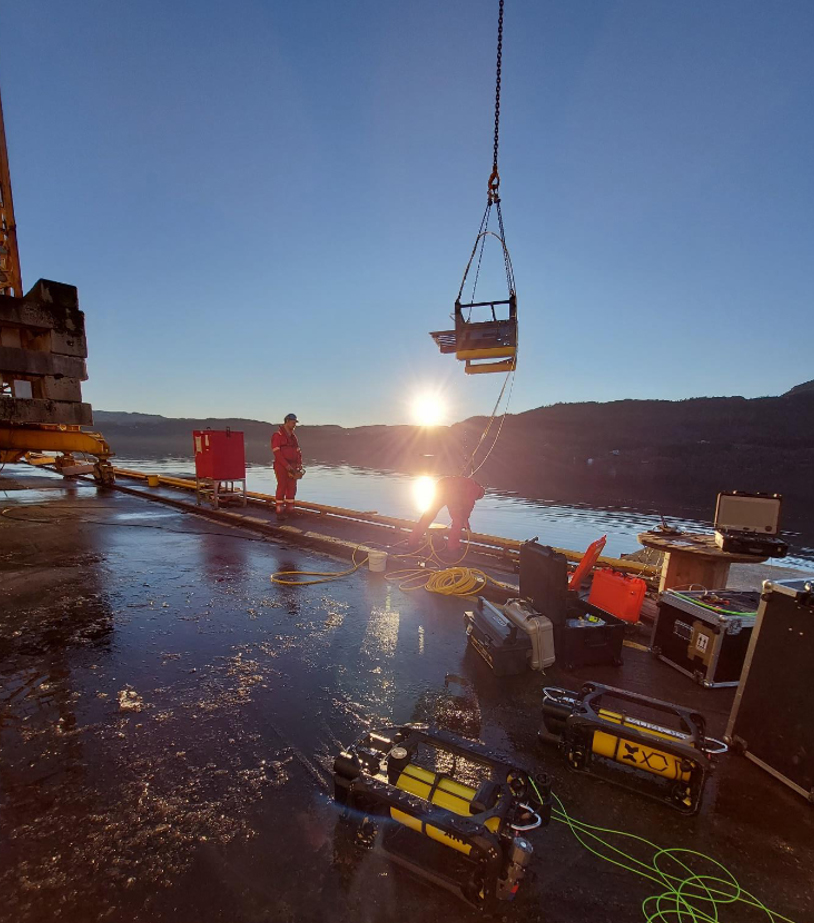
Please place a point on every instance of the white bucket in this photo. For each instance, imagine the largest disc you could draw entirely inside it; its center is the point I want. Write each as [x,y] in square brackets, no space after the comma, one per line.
[377,561]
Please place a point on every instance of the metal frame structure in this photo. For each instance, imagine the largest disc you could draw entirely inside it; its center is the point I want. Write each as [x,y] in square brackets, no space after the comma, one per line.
[18,442]
[666,763]
[219,492]
[470,841]
[10,275]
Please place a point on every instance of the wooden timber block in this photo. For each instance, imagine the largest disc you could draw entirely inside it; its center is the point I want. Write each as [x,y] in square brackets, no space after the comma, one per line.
[57,389]
[34,362]
[58,294]
[41,339]
[10,337]
[67,344]
[49,312]
[24,410]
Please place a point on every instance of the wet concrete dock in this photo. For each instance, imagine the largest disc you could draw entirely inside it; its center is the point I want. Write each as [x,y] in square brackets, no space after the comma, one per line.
[168,720]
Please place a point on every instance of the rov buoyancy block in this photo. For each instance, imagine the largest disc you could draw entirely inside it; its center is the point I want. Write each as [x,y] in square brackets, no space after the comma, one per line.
[597,734]
[445,808]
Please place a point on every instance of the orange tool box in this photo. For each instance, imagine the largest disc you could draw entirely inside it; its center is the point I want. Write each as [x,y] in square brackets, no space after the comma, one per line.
[618,594]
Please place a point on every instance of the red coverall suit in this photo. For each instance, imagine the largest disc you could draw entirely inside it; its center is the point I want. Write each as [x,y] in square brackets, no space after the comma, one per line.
[288,457]
[458,495]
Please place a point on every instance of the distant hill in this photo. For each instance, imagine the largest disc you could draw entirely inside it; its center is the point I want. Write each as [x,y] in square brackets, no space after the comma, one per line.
[807,386]
[668,455]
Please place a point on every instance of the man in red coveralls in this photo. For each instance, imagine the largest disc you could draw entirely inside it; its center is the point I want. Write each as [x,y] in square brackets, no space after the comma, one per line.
[287,464]
[459,495]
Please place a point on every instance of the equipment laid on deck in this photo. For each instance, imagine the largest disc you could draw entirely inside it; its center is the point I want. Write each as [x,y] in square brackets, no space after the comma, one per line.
[510,638]
[220,466]
[446,809]
[486,345]
[705,634]
[584,634]
[598,736]
[749,523]
[619,594]
[771,720]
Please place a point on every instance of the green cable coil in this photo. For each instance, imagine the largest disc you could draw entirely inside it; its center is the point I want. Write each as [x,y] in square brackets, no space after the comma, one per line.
[689,896]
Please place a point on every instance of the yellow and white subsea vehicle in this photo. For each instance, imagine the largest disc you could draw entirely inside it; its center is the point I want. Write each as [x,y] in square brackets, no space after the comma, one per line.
[598,734]
[446,809]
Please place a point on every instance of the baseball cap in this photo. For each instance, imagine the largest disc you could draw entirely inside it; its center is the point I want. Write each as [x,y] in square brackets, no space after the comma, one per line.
[291,416]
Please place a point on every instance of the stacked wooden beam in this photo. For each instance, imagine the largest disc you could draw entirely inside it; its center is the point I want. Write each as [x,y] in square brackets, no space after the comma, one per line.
[42,357]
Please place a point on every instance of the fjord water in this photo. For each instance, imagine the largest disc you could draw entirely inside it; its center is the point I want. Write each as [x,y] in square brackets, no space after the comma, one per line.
[499,513]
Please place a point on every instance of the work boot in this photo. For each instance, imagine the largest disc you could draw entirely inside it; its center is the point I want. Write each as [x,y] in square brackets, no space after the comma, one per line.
[281,516]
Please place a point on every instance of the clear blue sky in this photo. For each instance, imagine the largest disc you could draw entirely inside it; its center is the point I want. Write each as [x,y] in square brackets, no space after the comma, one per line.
[266,206]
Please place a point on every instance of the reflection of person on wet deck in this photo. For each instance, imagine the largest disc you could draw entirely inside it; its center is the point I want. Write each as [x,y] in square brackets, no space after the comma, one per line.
[459,495]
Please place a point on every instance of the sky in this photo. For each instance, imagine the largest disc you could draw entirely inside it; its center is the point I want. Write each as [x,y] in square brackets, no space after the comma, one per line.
[267,206]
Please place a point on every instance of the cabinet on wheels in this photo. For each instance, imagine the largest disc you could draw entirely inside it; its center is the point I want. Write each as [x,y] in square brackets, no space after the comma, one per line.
[220,466]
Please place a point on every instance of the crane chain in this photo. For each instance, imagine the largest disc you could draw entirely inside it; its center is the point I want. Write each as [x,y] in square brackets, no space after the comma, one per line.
[494,179]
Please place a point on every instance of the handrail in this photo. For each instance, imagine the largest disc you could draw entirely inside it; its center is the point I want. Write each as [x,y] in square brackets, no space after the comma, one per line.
[509,546]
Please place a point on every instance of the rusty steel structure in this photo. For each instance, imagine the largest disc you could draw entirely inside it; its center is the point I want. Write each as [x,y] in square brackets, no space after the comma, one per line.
[11,282]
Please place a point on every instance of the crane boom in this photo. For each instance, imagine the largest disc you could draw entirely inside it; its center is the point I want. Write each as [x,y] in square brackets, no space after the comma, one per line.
[11,282]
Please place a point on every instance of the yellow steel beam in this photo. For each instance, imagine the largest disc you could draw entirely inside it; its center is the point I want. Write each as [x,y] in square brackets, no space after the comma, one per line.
[508,545]
[21,439]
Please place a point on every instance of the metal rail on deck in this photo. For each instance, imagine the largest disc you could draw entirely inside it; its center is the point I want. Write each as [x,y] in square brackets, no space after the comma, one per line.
[510,547]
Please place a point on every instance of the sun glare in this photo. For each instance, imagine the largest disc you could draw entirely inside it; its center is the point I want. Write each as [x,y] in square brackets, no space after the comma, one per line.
[423,492]
[429,410]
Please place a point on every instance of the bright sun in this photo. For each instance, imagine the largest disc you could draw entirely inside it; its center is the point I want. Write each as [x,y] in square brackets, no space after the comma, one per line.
[428,410]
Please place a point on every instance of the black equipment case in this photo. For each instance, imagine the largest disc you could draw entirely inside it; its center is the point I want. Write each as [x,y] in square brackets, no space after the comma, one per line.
[502,644]
[584,635]
[771,720]
[705,634]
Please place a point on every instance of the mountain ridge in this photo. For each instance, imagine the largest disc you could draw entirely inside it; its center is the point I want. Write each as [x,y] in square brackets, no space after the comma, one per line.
[671,455]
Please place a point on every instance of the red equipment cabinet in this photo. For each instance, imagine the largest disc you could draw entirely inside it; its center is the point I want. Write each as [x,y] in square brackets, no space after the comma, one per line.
[220,467]
[219,455]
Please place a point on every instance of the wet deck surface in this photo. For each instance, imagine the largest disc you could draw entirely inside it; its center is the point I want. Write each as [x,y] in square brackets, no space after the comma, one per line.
[168,720]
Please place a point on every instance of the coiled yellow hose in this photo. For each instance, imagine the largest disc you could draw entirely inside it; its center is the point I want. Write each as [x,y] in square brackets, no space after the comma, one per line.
[280,577]
[435,576]
[430,573]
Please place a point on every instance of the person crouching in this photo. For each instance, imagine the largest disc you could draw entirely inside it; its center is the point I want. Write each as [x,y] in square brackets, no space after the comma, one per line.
[459,495]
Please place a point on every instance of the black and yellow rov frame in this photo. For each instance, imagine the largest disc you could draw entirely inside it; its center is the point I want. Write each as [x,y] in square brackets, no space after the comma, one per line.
[464,834]
[598,736]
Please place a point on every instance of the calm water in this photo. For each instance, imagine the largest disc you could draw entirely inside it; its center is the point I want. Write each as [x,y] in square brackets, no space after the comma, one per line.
[508,515]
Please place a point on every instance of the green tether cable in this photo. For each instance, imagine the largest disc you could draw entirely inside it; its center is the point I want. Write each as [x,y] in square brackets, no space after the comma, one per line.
[697,602]
[679,903]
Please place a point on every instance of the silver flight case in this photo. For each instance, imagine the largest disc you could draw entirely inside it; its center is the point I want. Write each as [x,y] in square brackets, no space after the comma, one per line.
[537,627]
